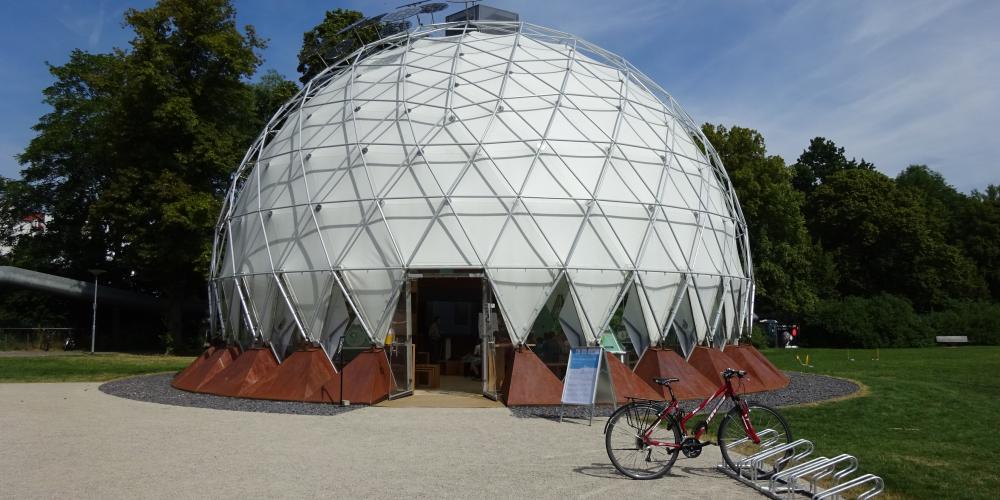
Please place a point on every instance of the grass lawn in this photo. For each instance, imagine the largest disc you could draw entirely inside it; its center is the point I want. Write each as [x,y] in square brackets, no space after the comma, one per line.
[85,367]
[927,425]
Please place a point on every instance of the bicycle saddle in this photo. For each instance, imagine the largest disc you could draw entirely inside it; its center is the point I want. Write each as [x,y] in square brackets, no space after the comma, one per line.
[666,380]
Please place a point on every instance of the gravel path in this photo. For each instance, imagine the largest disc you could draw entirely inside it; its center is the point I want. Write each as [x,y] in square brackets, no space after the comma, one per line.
[803,388]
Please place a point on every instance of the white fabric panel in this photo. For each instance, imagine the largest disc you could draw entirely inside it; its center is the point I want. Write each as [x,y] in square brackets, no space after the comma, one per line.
[231,310]
[685,326]
[292,235]
[375,293]
[251,246]
[372,246]
[630,223]
[569,320]
[333,319]
[559,220]
[522,244]
[310,292]
[637,323]
[597,293]
[521,294]
[281,182]
[445,244]
[483,219]
[705,295]
[284,331]
[730,310]
[661,290]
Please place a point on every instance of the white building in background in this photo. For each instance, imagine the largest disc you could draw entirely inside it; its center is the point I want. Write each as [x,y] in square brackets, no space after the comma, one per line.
[545,174]
[29,225]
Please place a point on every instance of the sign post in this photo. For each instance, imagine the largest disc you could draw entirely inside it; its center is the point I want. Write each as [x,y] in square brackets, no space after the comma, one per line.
[583,372]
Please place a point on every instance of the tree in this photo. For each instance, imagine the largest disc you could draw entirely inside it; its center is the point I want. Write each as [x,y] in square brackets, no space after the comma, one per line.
[322,46]
[779,243]
[135,155]
[820,160]
[884,239]
[269,93]
[978,233]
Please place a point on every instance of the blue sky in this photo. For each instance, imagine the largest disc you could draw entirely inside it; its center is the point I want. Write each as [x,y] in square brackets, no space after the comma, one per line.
[897,82]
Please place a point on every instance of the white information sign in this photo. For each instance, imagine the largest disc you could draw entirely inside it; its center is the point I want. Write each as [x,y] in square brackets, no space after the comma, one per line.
[580,384]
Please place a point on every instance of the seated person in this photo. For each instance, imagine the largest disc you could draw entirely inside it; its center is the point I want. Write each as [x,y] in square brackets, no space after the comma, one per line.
[475,360]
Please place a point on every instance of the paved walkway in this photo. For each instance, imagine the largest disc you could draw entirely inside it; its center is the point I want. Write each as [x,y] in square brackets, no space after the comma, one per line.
[71,440]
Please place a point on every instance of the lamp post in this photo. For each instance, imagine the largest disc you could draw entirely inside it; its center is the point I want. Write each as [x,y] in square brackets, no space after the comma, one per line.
[93,325]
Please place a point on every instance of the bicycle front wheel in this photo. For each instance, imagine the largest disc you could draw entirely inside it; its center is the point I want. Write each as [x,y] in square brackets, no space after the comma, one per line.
[769,425]
[627,449]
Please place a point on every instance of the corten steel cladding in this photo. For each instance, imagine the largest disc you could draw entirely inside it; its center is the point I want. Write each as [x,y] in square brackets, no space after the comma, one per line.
[535,156]
[758,366]
[300,377]
[658,362]
[627,384]
[252,366]
[206,366]
[202,358]
[530,382]
[712,362]
[367,379]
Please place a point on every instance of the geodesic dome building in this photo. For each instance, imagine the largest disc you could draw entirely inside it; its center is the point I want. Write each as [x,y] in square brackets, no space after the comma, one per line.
[517,155]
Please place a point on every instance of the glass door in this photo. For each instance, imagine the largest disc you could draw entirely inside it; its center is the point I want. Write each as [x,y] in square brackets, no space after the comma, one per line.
[492,368]
[399,348]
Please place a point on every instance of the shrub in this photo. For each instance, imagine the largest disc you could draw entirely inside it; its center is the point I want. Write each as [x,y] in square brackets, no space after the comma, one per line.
[980,321]
[866,322]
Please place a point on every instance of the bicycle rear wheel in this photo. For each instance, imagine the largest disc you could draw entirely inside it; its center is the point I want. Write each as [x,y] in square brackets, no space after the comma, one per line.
[626,448]
[769,425]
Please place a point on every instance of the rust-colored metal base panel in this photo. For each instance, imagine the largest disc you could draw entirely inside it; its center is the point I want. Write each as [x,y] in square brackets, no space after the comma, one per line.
[367,379]
[758,366]
[204,367]
[626,383]
[243,373]
[711,362]
[300,377]
[530,382]
[195,365]
[658,362]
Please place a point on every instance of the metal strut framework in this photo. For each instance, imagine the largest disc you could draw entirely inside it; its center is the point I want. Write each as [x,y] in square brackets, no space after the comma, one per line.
[538,157]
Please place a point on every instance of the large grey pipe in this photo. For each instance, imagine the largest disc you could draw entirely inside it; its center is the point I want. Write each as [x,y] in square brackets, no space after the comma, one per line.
[83,290]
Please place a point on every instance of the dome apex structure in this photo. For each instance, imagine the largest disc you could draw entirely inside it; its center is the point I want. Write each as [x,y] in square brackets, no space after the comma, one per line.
[509,151]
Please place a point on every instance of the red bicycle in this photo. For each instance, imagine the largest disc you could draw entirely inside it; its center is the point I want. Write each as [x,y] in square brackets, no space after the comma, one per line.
[644,437]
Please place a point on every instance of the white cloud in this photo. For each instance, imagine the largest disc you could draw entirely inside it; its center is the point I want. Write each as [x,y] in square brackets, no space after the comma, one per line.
[89,26]
[894,82]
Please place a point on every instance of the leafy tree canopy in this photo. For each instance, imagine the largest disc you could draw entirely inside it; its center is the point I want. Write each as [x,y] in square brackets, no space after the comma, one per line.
[778,240]
[820,160]
[322,46]
[137,151]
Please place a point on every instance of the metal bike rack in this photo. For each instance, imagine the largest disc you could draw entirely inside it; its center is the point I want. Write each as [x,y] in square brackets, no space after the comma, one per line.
[876,487]
[817,478]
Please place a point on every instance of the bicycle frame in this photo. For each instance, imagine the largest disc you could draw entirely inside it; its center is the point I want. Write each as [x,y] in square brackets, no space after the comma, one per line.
[725,391]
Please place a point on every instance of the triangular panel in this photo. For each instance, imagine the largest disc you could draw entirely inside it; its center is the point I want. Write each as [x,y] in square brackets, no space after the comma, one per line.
[684,326]
[660,291]
[521,294]
[597,293]
[637,320]
[374,293]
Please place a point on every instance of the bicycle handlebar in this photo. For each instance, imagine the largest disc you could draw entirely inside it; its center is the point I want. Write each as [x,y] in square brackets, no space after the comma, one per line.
[729,373]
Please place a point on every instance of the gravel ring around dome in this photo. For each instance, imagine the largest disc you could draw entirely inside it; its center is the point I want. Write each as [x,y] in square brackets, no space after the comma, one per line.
[802,388]
[157,389]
